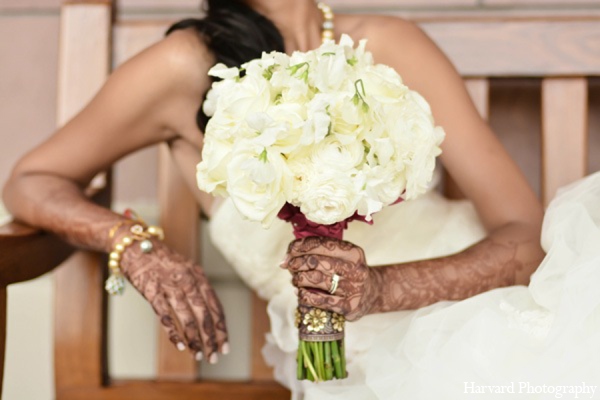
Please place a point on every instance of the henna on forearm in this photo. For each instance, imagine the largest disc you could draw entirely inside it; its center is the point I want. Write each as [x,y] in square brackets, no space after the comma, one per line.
[177,289]
[58,205]
[507,257]
[489,264]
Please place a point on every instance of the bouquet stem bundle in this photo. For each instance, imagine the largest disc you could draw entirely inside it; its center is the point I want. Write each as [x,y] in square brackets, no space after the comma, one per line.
[321,361]
[320,355]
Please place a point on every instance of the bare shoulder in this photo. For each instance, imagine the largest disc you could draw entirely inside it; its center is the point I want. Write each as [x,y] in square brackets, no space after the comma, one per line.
[397,42]
[181,61]
[383,31]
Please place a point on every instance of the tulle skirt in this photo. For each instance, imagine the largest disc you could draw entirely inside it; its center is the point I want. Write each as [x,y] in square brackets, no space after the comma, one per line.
[535,342]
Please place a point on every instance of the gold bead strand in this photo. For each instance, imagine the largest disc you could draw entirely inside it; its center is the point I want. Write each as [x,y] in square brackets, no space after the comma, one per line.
[115,284]
[327,32]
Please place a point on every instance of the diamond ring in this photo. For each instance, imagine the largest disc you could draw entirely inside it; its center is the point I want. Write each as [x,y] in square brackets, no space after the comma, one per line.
[335,279]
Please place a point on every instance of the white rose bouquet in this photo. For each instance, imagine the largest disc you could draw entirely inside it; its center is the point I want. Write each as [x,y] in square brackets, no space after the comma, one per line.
[319,138]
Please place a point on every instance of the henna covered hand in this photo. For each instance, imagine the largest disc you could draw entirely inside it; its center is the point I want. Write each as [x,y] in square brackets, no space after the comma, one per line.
[181,296]
[314,260]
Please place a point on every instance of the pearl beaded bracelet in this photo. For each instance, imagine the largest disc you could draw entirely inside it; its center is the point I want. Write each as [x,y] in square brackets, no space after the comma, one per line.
[115,284]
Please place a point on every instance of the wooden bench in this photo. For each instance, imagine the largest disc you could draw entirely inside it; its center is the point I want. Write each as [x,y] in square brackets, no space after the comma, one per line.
[559,49]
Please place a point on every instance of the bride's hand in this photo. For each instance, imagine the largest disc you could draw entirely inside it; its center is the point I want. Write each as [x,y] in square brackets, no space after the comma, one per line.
[181,296]
[314,260]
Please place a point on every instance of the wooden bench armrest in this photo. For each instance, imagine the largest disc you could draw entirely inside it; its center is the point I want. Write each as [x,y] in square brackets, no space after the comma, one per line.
[26,253]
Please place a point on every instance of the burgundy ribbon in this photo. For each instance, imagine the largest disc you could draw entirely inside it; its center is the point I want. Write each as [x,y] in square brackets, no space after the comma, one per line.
[305,228]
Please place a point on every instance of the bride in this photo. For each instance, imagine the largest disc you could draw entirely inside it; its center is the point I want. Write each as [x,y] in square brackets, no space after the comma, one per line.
[451,307]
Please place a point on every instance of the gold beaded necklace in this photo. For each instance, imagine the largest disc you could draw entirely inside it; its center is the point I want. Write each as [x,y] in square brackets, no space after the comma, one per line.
[327,30]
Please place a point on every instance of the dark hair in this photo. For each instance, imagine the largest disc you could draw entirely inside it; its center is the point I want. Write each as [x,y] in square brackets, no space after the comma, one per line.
[235,33]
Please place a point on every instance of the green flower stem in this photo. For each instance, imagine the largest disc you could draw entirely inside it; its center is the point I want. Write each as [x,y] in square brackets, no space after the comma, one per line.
[300,374]
[321,359]
[328,365]
[311,374]
[362,86]
[337,362]
[317,359]
[343,357]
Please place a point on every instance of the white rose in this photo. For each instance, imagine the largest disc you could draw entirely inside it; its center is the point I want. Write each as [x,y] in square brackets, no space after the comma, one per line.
[331,154]
[420,169]
[420,101]
[385,183]
[416,140]
[327,197]
[256,182]
[383,83]
[248,96]
[227,127]
[279,129]
[293,115]
[349,122]
[212,97]
[211,172]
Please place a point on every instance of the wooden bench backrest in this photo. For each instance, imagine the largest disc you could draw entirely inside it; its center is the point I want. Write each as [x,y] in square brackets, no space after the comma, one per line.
[557,50]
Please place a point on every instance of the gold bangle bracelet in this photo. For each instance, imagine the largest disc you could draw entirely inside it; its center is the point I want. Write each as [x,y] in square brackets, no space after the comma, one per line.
[115,284]
[115,228]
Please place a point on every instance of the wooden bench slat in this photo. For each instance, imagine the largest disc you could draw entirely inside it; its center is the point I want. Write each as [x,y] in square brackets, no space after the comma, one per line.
[361,4]
[564,133]
[80,321]
[483,48]
[80,301]
[178,213]
[479,89]
[83,64]
[519,48]
[206,390]
[260,327]
[525,3]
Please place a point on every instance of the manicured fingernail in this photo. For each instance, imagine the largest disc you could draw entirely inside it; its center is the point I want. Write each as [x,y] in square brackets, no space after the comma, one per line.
[181,346]
[283,263]
[296,291]
[225,348]
[199,356]
[213,358]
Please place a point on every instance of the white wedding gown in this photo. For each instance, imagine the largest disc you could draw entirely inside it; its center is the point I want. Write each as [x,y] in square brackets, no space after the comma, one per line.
[545,334]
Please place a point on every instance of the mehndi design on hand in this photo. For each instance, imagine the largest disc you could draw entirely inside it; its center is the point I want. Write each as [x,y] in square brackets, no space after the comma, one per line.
[363,290]
[314,260]
[181,296]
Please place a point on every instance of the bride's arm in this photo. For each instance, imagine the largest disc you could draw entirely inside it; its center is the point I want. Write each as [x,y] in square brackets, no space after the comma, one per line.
[503,259]
[150,99]
[134,109]
[482,169]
